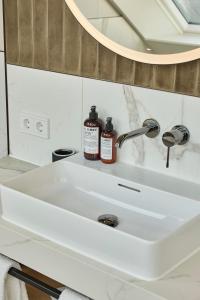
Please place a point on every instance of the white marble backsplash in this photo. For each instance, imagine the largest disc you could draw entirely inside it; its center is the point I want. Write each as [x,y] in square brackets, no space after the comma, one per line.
[67,100]
[130,106]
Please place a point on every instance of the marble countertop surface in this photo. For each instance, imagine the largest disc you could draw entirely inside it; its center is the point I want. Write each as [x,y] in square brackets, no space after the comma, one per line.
[11,167]
[89,277]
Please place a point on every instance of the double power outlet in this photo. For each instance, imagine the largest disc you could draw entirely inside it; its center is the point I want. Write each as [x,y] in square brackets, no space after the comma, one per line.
[35,125]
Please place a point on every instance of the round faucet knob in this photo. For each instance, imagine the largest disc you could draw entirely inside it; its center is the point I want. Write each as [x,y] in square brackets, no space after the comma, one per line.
[172,138]
[179,135]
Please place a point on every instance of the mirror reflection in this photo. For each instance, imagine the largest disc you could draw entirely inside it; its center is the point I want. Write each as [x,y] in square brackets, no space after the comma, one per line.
[149,26]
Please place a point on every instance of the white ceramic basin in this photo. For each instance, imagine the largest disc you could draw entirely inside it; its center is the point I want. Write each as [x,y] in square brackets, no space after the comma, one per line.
[157,230]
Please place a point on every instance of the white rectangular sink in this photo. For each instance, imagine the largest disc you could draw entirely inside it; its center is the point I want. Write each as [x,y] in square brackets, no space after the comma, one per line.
[157,229]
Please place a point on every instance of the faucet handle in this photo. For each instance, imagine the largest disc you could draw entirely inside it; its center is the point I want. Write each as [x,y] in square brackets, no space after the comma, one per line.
[179,135]
[168,155]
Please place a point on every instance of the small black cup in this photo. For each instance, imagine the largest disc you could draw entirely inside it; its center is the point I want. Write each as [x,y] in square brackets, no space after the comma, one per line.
[62,153]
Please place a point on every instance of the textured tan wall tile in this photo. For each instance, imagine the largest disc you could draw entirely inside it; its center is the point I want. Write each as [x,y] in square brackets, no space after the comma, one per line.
[89,56]
[187,77]
[107,64]
[44,34]
[40,33]
[143,75]
[55,35]
[125,70]
[164,77]
[72,43]
[25,32]
[11,19]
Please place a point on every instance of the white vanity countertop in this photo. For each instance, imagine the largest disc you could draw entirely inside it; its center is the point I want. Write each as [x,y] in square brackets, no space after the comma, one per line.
[84,275]
[11,167]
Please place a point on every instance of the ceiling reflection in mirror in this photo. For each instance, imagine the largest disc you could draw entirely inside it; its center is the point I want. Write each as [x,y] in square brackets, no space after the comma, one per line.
[149,26]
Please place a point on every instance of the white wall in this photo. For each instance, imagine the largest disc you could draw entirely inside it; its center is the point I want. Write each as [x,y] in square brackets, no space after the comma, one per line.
[53,95]
[3,116]
[66,100]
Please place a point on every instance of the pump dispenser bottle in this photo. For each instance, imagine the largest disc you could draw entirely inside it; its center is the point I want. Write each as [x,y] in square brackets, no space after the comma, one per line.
[108,140]
[92,134]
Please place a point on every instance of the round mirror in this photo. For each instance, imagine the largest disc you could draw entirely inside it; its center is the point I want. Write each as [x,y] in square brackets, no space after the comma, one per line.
[151,31]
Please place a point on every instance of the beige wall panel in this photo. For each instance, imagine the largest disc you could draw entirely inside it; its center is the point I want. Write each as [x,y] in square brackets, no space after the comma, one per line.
[44,34]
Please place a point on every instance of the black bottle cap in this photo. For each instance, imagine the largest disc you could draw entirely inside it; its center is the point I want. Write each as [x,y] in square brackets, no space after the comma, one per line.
[93,113]
[109,125]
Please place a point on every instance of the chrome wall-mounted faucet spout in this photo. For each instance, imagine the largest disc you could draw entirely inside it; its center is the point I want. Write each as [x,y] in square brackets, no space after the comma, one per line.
[150,128]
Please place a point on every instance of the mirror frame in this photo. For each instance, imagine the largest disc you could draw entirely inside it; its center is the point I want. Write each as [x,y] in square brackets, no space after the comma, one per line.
[155,59]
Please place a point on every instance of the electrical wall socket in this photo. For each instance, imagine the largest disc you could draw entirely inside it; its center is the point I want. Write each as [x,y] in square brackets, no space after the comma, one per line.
[35,125]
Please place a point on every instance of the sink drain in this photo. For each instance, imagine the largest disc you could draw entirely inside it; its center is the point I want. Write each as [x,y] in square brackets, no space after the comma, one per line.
[109,220]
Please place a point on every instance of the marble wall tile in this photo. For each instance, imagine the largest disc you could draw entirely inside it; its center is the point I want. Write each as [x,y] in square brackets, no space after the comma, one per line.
[130,106]
[66,100]
[57,96]
[110,101]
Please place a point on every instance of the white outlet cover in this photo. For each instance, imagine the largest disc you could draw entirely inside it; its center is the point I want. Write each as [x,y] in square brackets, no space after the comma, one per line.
[34,124]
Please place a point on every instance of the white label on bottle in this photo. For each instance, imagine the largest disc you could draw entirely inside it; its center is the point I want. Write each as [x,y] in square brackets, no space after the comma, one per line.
[91,140]
[106,148]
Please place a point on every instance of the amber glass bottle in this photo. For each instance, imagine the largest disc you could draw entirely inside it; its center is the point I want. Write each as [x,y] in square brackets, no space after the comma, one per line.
[92,134]
[108,140]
